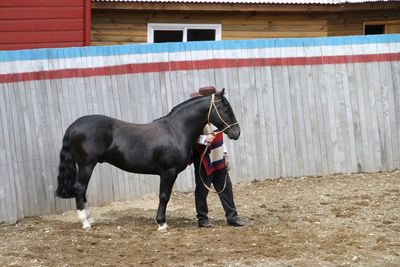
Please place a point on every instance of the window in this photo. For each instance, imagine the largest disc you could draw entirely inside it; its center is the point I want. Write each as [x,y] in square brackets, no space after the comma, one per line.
[163,36]
[374,29]
[168,32]
[382,27]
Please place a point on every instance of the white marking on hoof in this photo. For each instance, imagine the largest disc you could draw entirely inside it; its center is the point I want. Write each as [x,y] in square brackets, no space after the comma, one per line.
[162,227]
[86,226]
[82,215]
[91,220]
[89,216]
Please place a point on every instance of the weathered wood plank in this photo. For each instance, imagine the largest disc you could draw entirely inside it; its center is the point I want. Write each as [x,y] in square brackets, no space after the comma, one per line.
[15,151]
[318,117]
[395,74]
[9,202]
[389,112]
[363,112]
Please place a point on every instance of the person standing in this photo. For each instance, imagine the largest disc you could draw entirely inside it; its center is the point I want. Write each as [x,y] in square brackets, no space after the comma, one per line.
[212,170]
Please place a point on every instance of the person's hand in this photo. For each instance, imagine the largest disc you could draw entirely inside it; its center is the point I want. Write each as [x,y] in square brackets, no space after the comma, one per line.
[210,138]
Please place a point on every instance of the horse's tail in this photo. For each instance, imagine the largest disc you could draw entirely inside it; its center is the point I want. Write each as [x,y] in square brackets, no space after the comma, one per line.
[67,171]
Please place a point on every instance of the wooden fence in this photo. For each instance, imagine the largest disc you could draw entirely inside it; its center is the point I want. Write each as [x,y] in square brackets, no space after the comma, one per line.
[306,107]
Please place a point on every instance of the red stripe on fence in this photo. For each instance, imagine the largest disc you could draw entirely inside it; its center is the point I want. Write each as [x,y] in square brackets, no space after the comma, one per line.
[195,65]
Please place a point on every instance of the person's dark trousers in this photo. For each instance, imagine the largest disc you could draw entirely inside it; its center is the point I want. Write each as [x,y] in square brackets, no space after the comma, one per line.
[201,192]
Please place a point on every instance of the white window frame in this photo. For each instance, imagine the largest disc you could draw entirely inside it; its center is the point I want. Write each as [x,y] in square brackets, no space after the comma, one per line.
[151,27]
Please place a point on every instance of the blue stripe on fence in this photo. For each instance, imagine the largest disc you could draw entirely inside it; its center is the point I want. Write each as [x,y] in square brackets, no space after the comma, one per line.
[55,53]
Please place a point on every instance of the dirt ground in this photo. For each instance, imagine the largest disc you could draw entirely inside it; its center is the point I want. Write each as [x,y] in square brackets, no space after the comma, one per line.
[341,220]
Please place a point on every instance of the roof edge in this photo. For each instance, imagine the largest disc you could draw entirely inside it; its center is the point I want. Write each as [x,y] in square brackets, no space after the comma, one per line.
[245,7]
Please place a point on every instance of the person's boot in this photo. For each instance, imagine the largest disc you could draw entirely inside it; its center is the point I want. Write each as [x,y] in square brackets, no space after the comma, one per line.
[236,223]
[205,224]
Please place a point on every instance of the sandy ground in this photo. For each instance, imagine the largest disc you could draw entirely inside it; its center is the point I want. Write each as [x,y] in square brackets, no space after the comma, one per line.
[341,220]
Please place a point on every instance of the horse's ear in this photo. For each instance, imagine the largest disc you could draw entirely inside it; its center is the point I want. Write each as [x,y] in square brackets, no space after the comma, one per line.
[222,92]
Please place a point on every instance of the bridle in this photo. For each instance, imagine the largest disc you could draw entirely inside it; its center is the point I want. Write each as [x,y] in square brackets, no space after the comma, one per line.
[227,126]
[212,105]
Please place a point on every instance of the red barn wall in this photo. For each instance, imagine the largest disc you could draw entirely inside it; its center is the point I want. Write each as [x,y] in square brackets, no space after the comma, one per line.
[44,23]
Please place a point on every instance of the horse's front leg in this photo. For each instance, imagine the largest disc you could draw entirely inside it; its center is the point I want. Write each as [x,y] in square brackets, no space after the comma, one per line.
[167,180]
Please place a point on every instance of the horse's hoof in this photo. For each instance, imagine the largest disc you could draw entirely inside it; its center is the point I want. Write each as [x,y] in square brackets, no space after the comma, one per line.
[162,227]
[86,226]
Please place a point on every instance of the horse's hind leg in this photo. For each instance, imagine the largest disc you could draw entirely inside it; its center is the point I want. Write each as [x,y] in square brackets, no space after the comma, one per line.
[84,215]
[167,180]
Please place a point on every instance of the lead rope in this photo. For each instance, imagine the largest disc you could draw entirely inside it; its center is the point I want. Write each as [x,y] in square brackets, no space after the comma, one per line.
[212,104]
[201,178]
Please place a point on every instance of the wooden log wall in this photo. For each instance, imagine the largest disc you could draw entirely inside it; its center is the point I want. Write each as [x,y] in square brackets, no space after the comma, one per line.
[352,23]
[110,27]
[308,106]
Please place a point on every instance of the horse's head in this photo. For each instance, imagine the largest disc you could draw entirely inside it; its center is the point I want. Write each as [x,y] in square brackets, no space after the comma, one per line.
[222,116]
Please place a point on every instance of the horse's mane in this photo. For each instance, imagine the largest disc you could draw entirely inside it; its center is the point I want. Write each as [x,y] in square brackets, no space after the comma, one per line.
[180,106]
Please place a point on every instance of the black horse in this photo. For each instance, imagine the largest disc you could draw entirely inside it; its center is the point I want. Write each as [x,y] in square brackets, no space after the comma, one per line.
[162,147]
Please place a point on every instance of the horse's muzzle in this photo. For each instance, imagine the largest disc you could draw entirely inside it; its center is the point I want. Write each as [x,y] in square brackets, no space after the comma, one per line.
[233,132]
